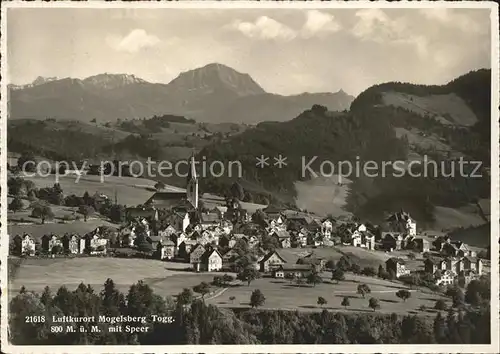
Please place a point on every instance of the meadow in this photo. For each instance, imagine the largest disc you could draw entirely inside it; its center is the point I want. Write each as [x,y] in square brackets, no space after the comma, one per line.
[284,295]
[165,278]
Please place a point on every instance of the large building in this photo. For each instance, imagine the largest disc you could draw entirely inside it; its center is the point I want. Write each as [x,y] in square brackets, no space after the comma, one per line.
[182,201]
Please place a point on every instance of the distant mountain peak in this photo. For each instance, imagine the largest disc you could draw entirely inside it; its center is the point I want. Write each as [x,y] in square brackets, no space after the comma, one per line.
[214,77]
[40,80]
[111,81]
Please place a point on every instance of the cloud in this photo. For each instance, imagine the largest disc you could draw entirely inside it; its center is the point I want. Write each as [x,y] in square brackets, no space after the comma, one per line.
[452,19]
[375,25]
[267,28]
[264,27]
[319,22]
[135,41]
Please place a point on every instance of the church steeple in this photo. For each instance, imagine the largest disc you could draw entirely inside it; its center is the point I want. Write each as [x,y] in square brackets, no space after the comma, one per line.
[192,183]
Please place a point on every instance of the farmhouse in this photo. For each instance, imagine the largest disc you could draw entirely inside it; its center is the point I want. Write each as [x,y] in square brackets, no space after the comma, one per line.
[397,266]
[392,241]
[211,261]
[402,222]
[295,270]
[326,228]
[27,245]
[271,261]
[282,237]
[195,257]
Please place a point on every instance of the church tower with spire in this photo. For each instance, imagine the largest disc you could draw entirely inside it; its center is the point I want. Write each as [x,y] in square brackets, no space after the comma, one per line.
[192,183]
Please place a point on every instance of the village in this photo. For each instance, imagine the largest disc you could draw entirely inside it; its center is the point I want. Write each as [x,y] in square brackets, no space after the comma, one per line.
[176,227]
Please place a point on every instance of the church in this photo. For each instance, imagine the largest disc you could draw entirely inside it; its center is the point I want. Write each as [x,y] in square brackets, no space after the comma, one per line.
[179,201]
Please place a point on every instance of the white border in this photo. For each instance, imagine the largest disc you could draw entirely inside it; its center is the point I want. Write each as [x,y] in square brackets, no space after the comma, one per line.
[294,348]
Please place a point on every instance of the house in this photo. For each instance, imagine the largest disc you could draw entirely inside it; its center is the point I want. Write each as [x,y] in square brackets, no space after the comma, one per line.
[397,266]
[446,278]
[313,260]
[274,212]
[195,256]
[16,245]
[73,245]
[27,246]
[220,210]
[421,245]
[432,265]
[98,245]
[473,264]
[167,231]
[55,245]
[282,237]
[230,256]
[142,212]
[462,249]
[449,249]
[361,237]
[367,240]
[326,228]
[392,241]
[211,261]
[402,222]
[295,270]
[185,247]
[209,219]
[166,249]
[271,261]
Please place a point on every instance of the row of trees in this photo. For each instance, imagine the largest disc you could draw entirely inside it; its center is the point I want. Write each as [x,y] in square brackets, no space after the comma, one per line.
[194,322]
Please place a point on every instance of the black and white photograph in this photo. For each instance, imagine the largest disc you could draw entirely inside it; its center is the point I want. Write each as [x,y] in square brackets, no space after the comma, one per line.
[268,176]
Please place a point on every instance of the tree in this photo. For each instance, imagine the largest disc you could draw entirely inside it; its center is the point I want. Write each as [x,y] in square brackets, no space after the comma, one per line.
[42,211]
[355,268]
[143,245]
[248,274]
[226,278]
[403,294]
[322,301]
[16,205]
[440,305]
[458,298]
[237,191]
[363,289]
[369,271]
[203,288]
[338,275]
[232,298]
[314,278]
[344,263]
[26,162]
[117,213]
[346,302]
[86,211]
[218,281]
[112,300]
[185,297]
[257,298]
[374,303]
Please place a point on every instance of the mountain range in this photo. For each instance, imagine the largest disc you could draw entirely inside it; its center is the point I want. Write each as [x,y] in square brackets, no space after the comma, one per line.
[213,93]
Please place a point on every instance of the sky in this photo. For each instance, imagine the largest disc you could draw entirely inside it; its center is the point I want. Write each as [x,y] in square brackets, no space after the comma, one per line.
[286,51]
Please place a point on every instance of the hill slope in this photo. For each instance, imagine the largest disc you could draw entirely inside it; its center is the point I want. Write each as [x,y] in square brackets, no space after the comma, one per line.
[376,129]
[213,93]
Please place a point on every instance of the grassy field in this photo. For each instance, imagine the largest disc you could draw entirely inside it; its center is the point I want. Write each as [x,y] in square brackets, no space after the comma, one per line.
[281,294]
[323,195]
[447,109]
[129,190]
[164,277]
[358,255]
